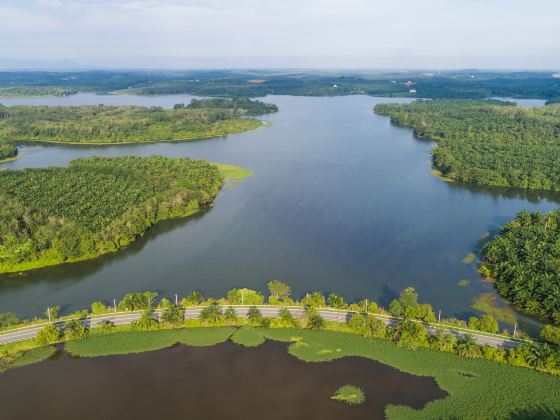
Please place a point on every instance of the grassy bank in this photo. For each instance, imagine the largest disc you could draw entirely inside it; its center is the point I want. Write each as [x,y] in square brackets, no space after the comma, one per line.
[124,342]
[22,354]
[477,388]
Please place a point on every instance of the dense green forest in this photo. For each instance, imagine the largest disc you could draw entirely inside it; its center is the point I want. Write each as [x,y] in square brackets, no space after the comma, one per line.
[468,83]
[18,91]
[240,105]
[8,150]
[487,142]
[119,124]
[524,262]
[94,206]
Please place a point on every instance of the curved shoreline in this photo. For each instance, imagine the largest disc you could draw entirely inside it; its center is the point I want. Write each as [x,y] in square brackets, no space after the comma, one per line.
[10,159]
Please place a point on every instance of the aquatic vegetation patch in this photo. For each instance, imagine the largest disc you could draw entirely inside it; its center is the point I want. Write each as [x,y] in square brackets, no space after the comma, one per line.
[248,337]
[469,258]
[487,304]
[349,394]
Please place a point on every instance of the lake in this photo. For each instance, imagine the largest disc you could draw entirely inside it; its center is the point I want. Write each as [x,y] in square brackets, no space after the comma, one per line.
[226,381]
[341,201]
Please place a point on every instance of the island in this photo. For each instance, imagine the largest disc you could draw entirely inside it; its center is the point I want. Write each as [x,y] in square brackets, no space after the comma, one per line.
[102,124]
[487,142]
[97,205]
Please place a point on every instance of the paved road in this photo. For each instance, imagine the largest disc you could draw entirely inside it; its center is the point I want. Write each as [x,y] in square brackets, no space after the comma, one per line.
[121,318]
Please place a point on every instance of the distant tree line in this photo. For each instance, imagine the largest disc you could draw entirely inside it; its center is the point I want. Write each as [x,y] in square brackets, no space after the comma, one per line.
[239,105]
[119,124]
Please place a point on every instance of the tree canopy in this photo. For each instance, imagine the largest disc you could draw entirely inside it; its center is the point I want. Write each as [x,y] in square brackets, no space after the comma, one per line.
[487,142]
[95,205]
[8,150]
[119,124]
[523,260]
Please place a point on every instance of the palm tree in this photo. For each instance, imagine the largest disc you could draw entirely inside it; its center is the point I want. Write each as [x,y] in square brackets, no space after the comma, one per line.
[146,321]
[230,316]
[74,329]
[173,315]
[106,325]
[287,318]
[315,322]
[539,356]
[254,316]
[211,314]
[468,346]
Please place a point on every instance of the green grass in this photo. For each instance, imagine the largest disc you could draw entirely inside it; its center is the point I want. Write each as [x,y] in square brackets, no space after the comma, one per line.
[233,172]
[248,337]
[469,258]
[349,394]
[27,357]
[140,341]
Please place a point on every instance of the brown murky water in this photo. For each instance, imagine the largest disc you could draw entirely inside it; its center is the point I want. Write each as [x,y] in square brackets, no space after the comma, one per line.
[227,381]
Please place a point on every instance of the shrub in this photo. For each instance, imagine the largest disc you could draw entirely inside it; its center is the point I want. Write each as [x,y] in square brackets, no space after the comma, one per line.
[48,335]
[336,301]
[279,290]
[98,308]
[244,297]
[551,334]
[7,319]
[410,334]
[195,298]
[74,329]
[314,299]
[146,321]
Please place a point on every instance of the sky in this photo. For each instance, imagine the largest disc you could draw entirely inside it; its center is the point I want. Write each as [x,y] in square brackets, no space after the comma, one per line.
[486,34]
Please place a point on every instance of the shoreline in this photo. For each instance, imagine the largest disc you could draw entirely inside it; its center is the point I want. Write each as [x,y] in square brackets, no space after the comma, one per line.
[10,159]
[210,136]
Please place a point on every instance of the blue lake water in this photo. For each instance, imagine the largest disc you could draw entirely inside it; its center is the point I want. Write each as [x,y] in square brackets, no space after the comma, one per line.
[341,201]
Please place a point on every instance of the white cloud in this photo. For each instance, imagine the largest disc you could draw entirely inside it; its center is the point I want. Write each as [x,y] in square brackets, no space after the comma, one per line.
[290,33]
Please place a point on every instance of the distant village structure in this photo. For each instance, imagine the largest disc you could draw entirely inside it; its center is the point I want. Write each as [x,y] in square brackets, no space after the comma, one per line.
[556,75]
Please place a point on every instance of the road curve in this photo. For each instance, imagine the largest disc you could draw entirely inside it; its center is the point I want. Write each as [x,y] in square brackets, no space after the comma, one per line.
[336,315]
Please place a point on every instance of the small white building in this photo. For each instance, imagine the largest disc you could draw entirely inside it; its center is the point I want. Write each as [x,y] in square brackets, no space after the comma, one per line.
[556,75]
[412,91]
[335,86]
